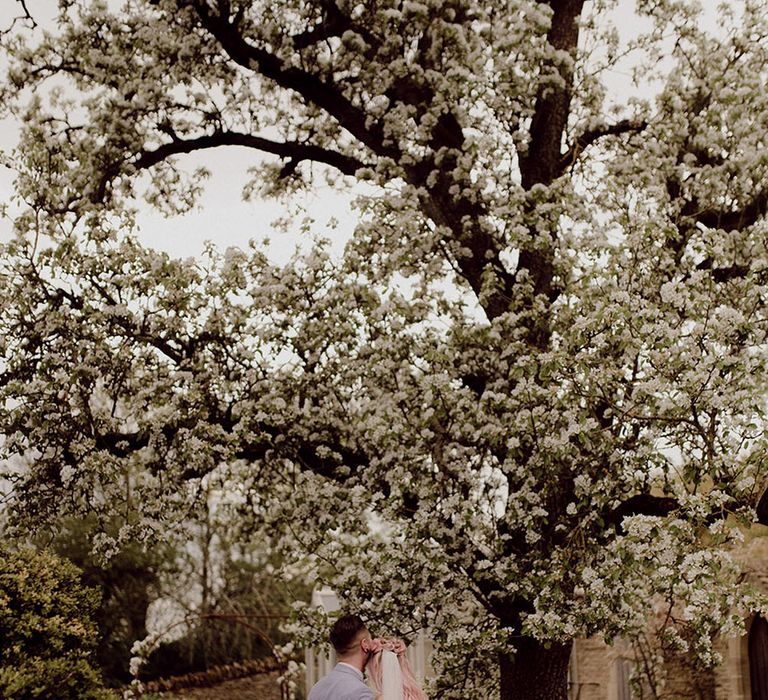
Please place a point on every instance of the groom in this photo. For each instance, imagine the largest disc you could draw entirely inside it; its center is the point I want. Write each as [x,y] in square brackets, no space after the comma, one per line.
[351,640]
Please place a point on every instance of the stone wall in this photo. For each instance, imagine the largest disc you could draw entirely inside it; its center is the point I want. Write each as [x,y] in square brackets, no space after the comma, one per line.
[599,671]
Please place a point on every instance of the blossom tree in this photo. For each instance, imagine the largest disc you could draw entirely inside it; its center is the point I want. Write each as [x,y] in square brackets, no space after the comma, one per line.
[526,403]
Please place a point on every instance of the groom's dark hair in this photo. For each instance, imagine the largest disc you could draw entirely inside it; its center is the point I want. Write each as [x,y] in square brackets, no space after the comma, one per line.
[344,632]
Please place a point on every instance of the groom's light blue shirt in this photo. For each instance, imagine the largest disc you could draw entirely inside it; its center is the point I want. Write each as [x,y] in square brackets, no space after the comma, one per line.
[343,683]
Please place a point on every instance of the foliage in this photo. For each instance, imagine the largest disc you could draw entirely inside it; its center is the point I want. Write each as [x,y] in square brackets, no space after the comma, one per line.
[534,378]
[211,582]
[227,599]
[127,583]
[244,619]
[47,631]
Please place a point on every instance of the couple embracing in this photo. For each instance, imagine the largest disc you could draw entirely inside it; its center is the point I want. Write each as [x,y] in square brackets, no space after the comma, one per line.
[388,668]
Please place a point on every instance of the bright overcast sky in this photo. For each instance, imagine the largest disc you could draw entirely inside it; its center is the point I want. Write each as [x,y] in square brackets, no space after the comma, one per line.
[222,217]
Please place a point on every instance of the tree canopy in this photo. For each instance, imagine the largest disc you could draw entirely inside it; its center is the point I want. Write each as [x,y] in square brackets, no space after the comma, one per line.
[532,386]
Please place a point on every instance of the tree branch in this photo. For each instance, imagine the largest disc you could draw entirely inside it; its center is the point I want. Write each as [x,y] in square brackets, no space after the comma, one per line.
[724,274]
[761,509]
[589,137]
[292,150]
[641,504]
[333,24]
[306,453]
[310,87]
[661,506]
[734,220]
[26,17]
[541,164]
[441,204]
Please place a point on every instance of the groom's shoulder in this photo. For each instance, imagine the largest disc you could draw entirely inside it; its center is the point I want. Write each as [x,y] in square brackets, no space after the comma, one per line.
[338,685]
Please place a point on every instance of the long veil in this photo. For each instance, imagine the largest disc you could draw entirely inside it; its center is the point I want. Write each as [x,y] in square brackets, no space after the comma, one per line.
[391,677]
[391,673]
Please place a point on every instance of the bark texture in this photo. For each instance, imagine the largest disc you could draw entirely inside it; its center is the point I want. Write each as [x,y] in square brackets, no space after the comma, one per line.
[535,672]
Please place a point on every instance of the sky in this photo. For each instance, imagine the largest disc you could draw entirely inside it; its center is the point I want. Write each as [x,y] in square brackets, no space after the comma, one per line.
[225,219]
[221,215]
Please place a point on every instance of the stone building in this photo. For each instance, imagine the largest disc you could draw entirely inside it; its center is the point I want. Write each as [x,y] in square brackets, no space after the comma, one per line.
[602,672]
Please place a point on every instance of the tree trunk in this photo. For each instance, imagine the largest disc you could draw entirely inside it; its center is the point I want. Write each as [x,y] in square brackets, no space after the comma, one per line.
[535,671]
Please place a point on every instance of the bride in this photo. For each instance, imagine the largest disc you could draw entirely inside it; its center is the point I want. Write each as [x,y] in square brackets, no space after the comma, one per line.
[390,672]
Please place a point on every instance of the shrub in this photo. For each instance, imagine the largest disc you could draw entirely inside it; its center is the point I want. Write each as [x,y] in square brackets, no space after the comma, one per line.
[47,634]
